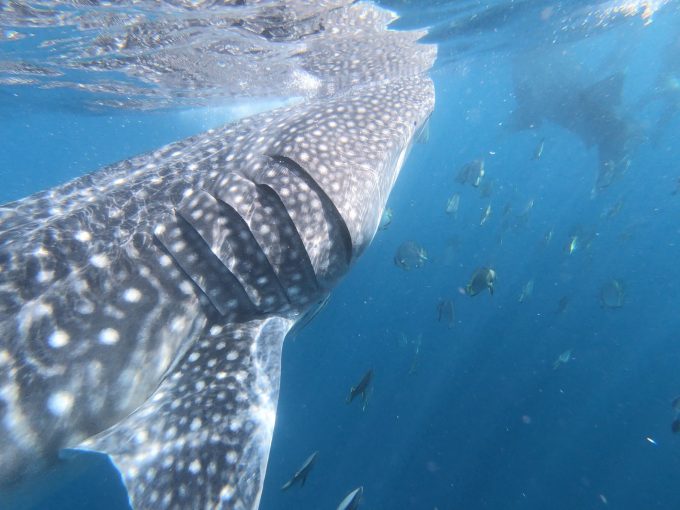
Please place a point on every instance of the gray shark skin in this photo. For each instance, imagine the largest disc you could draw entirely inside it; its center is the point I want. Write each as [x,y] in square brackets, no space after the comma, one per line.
[143,307]
[550,87]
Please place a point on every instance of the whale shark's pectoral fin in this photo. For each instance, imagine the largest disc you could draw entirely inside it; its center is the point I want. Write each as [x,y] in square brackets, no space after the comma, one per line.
[203,438]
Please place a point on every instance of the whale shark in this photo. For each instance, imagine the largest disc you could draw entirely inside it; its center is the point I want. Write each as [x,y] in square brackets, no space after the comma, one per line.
[551,87]
[143,307]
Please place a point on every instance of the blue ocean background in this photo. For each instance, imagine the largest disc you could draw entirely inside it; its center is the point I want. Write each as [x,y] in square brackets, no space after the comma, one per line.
[475,416]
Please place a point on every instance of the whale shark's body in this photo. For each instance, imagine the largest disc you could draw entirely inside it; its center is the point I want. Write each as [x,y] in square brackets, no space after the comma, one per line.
[549,86]
[143,307]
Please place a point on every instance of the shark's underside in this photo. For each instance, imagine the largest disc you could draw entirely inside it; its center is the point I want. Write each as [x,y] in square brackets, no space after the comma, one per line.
[143,307]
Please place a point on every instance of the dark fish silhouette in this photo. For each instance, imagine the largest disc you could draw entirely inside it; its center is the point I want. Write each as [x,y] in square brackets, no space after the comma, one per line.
[612,294]
[472,173]
[562,305]
[675,426]
[361,389]
[300,475]
[410,255]
[481,280]
[446,312]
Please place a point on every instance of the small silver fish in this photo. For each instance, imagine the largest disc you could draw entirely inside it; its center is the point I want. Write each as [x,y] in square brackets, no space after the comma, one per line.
[538,151]
[486,214]
[453,204]
[563,358]
[351,501]
[527,291]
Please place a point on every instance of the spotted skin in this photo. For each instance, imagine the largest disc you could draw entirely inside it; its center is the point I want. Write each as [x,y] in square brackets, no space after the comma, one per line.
[143,307]
[205,433]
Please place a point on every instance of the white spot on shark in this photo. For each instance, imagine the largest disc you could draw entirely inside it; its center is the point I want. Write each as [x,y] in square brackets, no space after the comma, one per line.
[227,492]
[109,336]
[178,324]
[60,403]
[99,260]
[83,236]
[132,295]
[44,276]
[195,466]
[58,339]
[186,287]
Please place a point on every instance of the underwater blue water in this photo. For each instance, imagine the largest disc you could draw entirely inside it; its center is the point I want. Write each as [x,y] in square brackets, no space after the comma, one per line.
[477,418]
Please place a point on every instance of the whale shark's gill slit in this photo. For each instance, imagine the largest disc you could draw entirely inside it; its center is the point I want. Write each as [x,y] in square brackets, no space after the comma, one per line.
[332,212]
[195,258]
[289,271]
[248,262]
[292,263]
